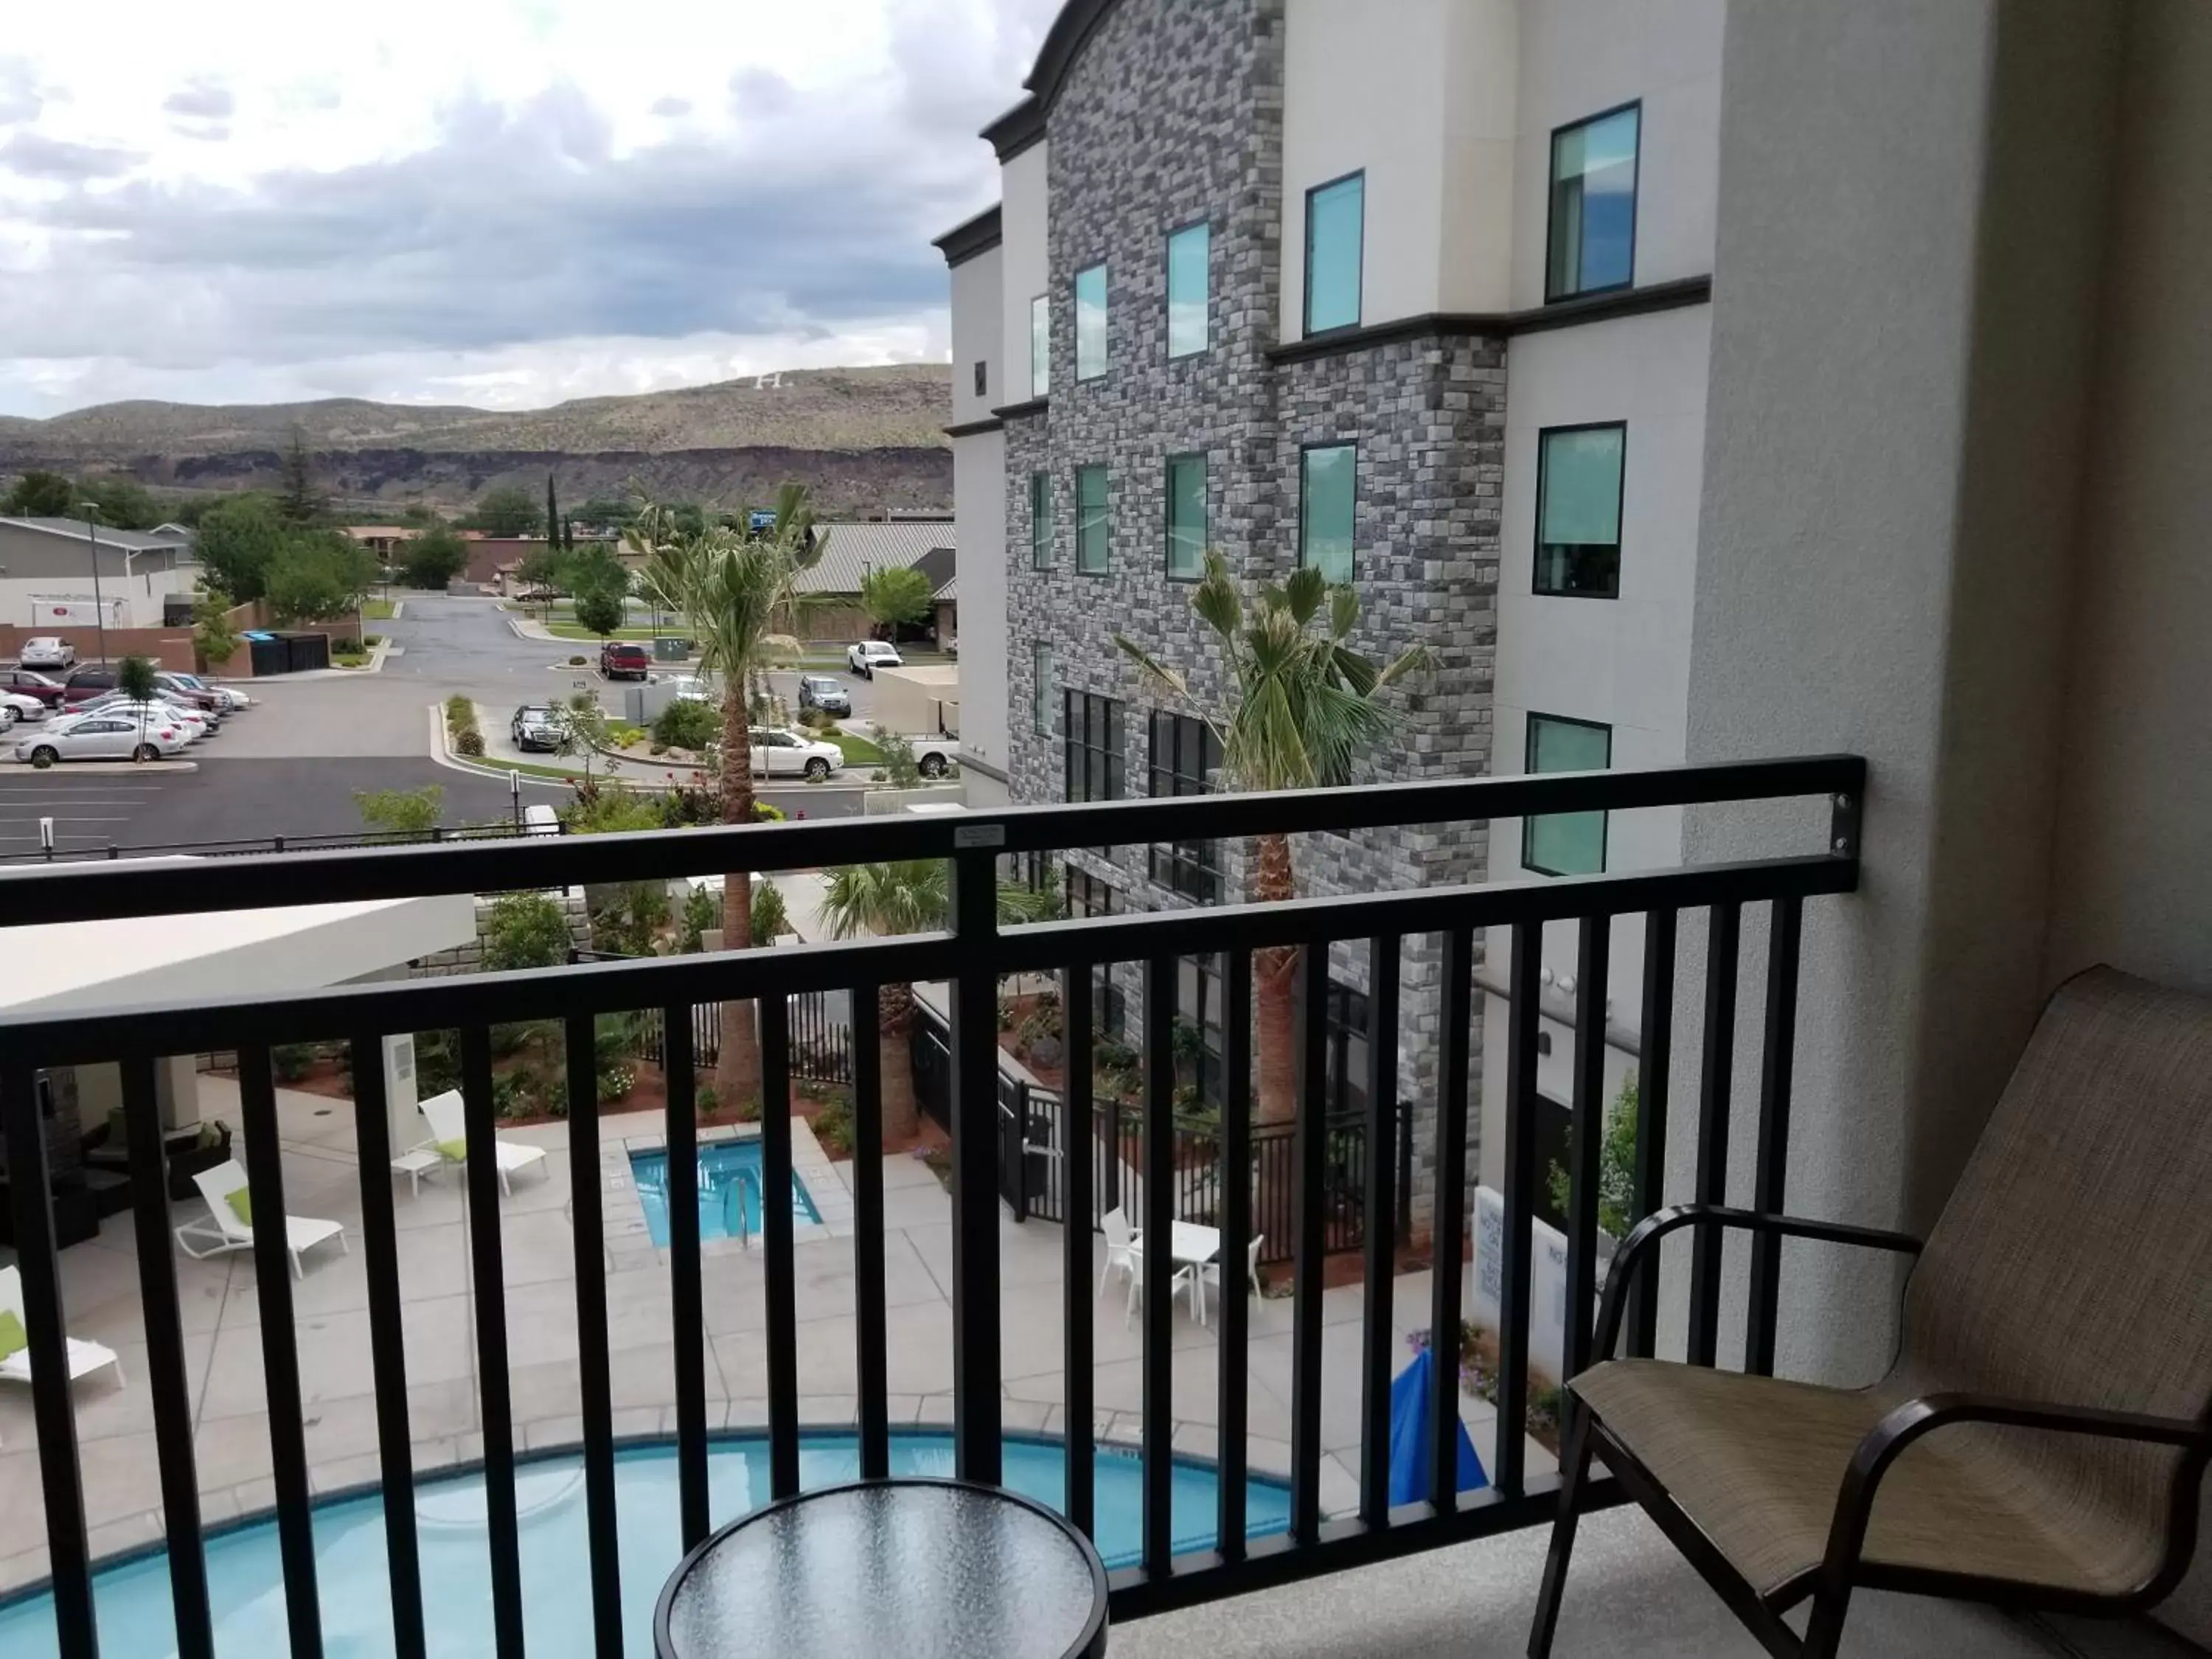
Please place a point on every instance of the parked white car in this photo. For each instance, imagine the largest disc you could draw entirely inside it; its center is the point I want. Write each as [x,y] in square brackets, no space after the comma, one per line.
[693,688]
[47,651]
[230,697]
[17,706]
[101,736]
[869,655]
[779,753]
[195,722]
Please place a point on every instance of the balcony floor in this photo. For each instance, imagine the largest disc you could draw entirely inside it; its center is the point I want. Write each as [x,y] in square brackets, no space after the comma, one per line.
[1630,1596]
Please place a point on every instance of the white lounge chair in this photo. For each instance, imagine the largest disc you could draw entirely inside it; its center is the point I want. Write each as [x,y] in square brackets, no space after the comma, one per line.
[1184,1278]
[84,1357]
[222,1230]
[449,1133]
[1211,1274]
[1120,1245]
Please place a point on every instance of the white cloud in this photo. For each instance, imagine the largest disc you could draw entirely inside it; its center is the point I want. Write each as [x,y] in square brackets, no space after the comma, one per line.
[507,201]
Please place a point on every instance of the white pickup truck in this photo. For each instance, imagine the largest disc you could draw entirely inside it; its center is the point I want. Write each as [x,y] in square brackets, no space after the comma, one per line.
[935,757]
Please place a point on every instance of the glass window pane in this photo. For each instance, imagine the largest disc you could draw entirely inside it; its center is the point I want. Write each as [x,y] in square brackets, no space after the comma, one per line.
[1581,485]
[1091,323]
[1040,520]
[1187,516]
[1566,843]
[1187,289]
[1041,694]
[1593,232]
[1040,346]
[1335,216]
[1093,538]
[1326,496]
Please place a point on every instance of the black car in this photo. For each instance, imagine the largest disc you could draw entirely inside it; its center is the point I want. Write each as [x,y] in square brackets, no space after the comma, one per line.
[822,692]
[538,725]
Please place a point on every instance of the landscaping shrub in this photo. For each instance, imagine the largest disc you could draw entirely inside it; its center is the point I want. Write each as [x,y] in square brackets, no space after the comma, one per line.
[614,1083]
[686,725]
[460,714]
[578,662]
[706,1099]
[770,916]
[833,1128]
[702,910]
[470,742]
[291,1061]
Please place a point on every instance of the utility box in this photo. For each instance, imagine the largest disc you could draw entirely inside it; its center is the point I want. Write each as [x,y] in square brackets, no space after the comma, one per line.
[669,648]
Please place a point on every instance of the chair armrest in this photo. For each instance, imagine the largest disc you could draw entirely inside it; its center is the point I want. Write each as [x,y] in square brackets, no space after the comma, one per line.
[1886,1441]
[1646,1234]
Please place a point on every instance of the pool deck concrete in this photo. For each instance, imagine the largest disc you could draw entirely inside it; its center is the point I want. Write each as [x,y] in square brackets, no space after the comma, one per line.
[222,1340]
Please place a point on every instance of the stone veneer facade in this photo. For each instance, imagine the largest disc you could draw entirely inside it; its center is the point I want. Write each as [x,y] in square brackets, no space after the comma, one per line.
[1173,113]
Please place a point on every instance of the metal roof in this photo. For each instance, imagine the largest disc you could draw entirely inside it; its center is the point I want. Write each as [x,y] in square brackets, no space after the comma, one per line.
[137,541]
[847,550]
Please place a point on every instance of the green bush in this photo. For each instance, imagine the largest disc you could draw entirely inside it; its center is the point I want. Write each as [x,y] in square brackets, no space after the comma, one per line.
[770,916]
[833,1128]
[706,1099]
[525,930]
[686,725]
[437,1063]
[460,714]
[749,1110]
[615,1082]
[291,1061]
[470,742]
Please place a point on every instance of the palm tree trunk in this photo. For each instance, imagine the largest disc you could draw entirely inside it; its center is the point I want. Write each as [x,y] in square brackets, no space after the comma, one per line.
[895,1061]
[738,1067]
[1274,973]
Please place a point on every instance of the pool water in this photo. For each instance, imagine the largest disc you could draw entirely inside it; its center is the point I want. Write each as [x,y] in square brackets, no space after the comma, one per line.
[245,1576]
[729,1191]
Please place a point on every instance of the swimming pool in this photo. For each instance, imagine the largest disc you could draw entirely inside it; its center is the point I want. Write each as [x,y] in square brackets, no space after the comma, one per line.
[729,1191]
[246,1578]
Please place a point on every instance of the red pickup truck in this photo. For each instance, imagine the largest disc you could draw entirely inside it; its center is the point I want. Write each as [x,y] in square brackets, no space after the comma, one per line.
[625,659]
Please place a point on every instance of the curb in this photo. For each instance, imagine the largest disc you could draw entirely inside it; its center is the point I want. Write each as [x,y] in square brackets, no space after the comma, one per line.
[104,768]
[444,757]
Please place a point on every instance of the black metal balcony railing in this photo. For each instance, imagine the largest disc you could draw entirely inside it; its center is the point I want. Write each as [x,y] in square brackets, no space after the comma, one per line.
[971,956]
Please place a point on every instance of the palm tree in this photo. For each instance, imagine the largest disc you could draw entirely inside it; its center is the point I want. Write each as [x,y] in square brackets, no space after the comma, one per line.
[908,896]
[1304,708]
[736,593]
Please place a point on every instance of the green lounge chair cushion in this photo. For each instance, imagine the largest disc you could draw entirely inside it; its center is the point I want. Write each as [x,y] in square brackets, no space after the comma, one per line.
[456,1150]
[14,1338]
[242,1205]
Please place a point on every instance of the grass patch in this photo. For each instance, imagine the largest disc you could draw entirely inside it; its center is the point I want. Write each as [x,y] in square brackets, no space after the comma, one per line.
[377,609]
[858,751]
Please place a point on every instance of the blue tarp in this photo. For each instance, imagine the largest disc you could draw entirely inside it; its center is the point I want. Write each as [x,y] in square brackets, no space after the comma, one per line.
[1410,1396]
[251,635]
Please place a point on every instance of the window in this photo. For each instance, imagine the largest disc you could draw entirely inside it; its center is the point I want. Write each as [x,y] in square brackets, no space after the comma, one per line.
[1593,238]
[1328,491]
[982,378]
[1040,520]
[1087,896]
[1041,690]
[1185,754]
[1197,1038]
[1188,252]
[1091,323]
[1334,233]
[1097,768]
[1040,346]
[1186,517]
[1093,531]
[1565,843]
[1346,1065]
[1578,499]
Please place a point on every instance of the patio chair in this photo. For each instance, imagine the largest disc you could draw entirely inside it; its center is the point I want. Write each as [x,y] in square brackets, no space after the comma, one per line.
[1121,1242]
[1212,1272]
[449,1135]
[225,1229]
[84,1357]
[2041,1438]
[1184,1278]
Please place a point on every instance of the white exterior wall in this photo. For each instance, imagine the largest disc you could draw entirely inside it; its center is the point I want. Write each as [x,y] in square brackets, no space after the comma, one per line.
[979,510]
[1420,95]
[978,336]
[1024,269]
[141,594]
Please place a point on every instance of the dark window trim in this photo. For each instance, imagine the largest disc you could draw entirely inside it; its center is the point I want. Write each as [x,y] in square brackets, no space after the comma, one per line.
[1306,329]
[1107,568]
[1527,766]
[972,429]
[1619,511]
[1075,302]
[1351,444]
[1167,289]
[1167,514]
[1115,756]
[1635,193]
[982,381]
[1047,545]
[1670,296]
[1191,868]
[1022,412]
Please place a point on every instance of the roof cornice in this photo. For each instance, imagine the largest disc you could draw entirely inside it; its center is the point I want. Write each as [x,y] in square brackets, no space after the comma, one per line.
[1023,125]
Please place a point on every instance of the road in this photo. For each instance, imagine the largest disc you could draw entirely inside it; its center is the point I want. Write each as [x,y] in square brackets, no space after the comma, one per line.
[292,765]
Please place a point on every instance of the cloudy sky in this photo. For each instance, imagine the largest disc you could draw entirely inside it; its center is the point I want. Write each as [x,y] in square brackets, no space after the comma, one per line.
[496,202]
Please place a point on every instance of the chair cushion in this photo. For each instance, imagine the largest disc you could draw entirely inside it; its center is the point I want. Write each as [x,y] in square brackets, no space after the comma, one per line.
[14,1338]
[455,1151]
[1757,1463]
[242,1205]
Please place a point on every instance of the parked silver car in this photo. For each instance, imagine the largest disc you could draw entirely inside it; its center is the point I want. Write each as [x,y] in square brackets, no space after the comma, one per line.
[103,736]
[47,651]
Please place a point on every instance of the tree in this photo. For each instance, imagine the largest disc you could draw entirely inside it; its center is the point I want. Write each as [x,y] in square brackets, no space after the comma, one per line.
[583,730]
[40,494]
[298,502]
[1616,1167]
[134,678]
[543,567]
[434,558]
[123,503]
[606,513]
[1304,707]
[552,514]
[907,896]
[895,594]
[214,640]
[410,812]
[318,578]
[599,610]
[506,511]
[526,930]
[237,541]
[735,593]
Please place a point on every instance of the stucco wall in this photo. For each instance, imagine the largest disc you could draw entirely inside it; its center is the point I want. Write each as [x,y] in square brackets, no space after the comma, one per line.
[979,497]
[1022,261]
[977,337]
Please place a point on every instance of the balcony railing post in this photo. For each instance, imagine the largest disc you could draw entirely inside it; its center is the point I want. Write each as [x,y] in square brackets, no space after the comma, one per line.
[976,1415]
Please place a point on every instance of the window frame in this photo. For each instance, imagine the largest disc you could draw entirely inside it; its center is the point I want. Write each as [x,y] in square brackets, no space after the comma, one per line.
[1043,673]
[1529,823]
[1114,754]
[1307,331]
[1552,296]
[1105,313]
[1044,554]
[1206,307]
[1106,508]
[982,377]
[1040,363]
[1620,512]
[1190,868]
[1168,518]
[1304,450]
